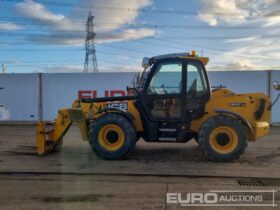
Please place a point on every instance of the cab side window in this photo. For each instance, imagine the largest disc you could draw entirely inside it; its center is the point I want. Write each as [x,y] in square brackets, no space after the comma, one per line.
[196,82]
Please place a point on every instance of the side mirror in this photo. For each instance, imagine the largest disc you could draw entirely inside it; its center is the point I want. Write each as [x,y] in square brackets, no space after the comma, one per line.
[131,89]
[276,85]
[145,62]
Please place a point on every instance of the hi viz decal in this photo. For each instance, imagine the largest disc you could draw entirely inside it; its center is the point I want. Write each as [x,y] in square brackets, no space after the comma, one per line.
[95,93]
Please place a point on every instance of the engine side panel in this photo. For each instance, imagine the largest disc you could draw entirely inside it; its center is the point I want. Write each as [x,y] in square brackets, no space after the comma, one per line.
[253,107]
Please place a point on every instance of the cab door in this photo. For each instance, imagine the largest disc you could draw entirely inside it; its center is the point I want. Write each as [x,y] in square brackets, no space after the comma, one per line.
[164,95]
[174,94]
[197,90]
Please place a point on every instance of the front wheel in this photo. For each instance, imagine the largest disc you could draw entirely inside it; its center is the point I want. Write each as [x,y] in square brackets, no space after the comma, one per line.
[223,138]
[112,137]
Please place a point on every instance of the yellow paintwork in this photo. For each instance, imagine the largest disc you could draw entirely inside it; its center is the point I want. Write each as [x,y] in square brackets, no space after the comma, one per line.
[222,98]
[83,113]
[90,110]
[193,55]
[49,134]
[105,142]
[79,113]
[40,138]
[227,148]
[203,60]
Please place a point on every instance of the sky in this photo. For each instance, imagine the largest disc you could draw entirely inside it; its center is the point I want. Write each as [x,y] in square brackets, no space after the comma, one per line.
[49,35]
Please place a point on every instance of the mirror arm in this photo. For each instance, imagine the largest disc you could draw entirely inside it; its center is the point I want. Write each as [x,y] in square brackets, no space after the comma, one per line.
[274,102]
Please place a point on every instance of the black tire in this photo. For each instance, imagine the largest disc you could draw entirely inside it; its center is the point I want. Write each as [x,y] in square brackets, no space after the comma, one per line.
[128,130]
[214,151]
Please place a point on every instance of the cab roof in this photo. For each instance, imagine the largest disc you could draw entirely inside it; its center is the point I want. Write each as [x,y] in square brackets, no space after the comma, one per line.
[191,55]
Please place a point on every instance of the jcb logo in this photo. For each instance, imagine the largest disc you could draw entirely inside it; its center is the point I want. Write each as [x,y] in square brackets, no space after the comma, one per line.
[122,105]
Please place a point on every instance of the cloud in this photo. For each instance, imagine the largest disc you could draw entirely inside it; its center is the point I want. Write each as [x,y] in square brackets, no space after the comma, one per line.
[245,39]
[31,9]
[259,49]
[114,14]
[38,13]
[127,34]
[229,11]
[123,68]
[12,61]
[71,31]
[56,39]
[68,38]
[272,18]
[79,68]
[240,11]
[256,49]
[258,54]
[236,66]
[10,26]
[63,69]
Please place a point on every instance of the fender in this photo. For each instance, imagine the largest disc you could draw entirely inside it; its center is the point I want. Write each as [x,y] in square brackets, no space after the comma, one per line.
[236,115]
[122,112]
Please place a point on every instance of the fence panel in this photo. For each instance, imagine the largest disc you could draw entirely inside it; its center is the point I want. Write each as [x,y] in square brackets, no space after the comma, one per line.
[241,81]
[19,97]
[60,90]
[275,76]
[19,93]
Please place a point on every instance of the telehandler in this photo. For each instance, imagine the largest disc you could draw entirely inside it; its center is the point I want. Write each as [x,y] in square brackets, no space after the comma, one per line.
[172,101]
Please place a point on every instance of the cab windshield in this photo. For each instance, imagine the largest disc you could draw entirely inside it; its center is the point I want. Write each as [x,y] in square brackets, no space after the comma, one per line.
[140,78]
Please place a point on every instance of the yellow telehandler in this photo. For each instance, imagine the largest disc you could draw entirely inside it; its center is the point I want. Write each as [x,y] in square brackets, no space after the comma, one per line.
[172,101]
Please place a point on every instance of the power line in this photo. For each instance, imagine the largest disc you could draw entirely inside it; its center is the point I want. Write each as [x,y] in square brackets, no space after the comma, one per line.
[112,36]
[121,9]
[48,65]
[186,44]
[67,50]
[245,55]
[259,56]
[39,50]
[159,26]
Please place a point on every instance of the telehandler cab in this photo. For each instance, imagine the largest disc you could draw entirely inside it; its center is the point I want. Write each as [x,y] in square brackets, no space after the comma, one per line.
[172,102]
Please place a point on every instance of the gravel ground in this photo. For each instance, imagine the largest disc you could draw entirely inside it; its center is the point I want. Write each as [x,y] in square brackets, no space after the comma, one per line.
[75,178]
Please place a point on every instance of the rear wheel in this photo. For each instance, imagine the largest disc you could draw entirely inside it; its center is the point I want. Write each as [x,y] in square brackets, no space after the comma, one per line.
[112,137]
[223,138]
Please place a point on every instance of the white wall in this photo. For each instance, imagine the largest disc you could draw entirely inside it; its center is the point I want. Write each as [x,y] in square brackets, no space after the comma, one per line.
[241,81]
[20,96]
[275,76]
[60,90]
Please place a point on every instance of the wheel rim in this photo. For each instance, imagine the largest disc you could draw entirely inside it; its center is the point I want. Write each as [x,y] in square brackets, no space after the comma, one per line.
[223,139]
[111,137]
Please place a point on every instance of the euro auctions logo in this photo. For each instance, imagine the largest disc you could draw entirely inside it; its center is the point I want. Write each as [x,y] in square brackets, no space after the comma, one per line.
[253,198]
